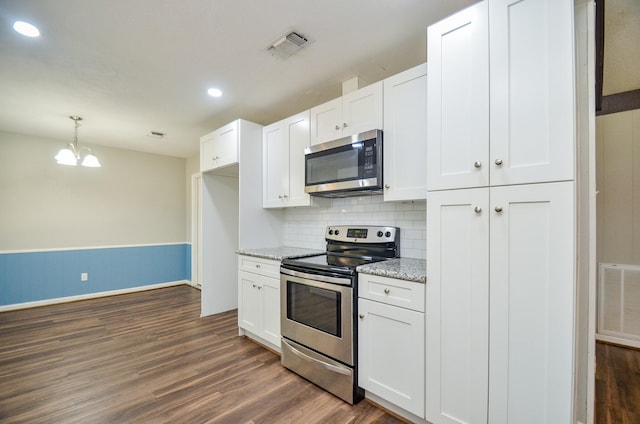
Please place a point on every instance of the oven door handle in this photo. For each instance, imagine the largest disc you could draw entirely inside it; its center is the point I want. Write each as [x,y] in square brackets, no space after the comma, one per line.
[343,281]
[322,364]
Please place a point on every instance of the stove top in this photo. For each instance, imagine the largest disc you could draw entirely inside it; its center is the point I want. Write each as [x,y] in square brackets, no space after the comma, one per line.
[333,262]
[349,246]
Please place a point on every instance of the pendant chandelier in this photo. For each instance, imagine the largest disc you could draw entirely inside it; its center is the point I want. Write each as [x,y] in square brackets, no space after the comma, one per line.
[72,154]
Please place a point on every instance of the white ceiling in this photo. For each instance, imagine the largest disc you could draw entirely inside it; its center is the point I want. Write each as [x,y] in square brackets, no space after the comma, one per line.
[133,66]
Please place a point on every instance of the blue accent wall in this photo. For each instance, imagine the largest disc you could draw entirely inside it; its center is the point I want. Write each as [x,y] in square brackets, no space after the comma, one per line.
[33,276]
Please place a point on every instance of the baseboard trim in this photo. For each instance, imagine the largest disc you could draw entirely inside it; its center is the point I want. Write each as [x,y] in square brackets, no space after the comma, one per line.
[618,340]
[46,302]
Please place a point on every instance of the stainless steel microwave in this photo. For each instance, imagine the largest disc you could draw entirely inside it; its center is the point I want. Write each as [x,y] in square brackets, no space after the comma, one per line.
[349,166]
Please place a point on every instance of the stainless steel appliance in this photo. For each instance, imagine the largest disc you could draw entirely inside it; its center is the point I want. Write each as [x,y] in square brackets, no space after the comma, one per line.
[319,306]
[350,166]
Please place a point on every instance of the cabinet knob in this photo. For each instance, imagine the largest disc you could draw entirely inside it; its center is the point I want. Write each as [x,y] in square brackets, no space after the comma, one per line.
[387,291]
[387,186]
[498,161]
[337,128]
[254,286]
[285,196]
[257,265]
[259,287]
[361,316]
[477,164]
[477,209]
[498,209]
[344,125]
[279,196]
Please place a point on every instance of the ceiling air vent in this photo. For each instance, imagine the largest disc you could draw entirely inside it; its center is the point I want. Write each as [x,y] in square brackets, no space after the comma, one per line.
[287,45]
[156,134]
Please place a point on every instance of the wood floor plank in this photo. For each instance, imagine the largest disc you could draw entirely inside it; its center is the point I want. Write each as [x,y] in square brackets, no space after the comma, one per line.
[150,358]
[617,385]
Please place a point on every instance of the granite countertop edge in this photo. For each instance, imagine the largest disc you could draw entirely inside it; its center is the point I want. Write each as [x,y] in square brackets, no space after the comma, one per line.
[279,253]
[400,268]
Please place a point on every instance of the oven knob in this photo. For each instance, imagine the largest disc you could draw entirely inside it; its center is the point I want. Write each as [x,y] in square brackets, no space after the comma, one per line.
[380,233]
[330,232]
[388,234]
[337,232]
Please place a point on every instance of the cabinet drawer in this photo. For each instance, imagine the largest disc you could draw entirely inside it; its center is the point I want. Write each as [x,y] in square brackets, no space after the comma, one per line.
[267,267]
[406,294]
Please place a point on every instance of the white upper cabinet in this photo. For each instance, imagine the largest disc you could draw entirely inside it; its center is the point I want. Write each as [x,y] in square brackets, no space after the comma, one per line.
[219,149]
[458,101]
[501,95]
[532,91]
[283,168]
[405,135]
[355,112]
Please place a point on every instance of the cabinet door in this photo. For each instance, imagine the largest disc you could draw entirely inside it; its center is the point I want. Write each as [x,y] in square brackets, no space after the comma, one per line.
[457,105]
[391,354]
[207,152]
[405,135]
[532,91]
[226,144]
[362,110]
[249,302]
[270,290]
[326,121]
[457,308]
[273,168]
[532,303]
[297,128]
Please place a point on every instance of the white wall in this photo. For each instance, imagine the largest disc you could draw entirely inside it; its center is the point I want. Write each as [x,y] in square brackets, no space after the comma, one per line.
[135,198]
[618,185]
[304,227]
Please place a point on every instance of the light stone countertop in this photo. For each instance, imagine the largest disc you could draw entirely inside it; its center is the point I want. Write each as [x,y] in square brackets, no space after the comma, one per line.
[279,253]
[401,268]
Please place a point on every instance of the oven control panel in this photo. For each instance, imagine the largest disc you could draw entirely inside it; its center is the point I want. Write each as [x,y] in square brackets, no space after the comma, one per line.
[362,233]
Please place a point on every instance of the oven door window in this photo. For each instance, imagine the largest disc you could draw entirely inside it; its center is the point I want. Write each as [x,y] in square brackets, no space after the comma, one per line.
[315,307]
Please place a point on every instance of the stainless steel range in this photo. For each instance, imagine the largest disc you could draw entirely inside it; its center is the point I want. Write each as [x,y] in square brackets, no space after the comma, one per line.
[319,306]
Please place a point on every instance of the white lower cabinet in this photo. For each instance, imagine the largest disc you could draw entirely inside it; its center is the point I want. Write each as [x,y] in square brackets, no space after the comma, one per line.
[259,300]
[391,341]
[500,296]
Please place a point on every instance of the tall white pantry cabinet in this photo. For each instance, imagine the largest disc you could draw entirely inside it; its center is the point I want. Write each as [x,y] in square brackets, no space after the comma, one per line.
[501,214]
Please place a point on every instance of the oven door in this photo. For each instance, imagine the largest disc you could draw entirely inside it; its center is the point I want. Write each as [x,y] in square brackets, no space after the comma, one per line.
[317,312]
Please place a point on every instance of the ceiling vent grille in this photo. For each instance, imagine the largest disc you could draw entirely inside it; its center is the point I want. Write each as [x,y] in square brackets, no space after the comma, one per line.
[287,45]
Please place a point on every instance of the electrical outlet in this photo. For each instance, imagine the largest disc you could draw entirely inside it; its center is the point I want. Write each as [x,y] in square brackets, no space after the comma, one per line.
[84,276]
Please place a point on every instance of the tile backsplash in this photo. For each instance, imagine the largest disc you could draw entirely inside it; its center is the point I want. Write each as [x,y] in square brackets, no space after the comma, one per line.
[304,227]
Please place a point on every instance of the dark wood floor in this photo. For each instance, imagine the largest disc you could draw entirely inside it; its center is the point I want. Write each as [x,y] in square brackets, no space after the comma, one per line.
[149,358]
[617,385]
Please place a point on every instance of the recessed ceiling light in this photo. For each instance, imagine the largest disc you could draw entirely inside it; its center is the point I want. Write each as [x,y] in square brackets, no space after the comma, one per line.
[214,92]
[26,29]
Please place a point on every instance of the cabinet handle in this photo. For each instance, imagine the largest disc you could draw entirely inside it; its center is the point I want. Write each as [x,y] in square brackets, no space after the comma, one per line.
[361,316]
[337,128]
[477,164]
[254,286]
[259,287]
[285,196]
[257,265]
[477,209]
[498,209]
[279,196]
[387,291]
[344,125]
[387,186]
[498,161]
